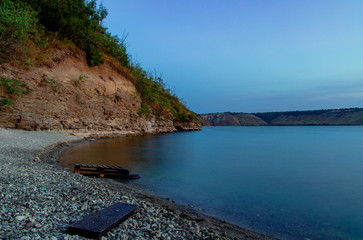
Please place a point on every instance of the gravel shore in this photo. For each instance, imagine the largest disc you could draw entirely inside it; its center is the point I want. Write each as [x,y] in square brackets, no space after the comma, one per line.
[39,199]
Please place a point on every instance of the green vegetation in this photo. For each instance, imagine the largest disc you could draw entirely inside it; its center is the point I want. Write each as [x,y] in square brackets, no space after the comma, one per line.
[7,102]
[12,88]
[144,110]
[53,82]
[81,78]
[156,95]
[26,25]
[19,29]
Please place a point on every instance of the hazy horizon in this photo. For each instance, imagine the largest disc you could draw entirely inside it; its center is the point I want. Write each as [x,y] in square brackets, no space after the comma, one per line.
[249,56]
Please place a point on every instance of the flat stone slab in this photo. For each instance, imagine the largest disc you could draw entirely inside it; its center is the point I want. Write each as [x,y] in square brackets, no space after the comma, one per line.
[97,225]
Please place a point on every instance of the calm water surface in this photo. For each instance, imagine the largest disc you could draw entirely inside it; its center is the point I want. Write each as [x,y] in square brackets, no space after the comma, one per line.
[288,182]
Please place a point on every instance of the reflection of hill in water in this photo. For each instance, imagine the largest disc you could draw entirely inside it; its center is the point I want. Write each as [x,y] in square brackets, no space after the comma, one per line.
[122,151]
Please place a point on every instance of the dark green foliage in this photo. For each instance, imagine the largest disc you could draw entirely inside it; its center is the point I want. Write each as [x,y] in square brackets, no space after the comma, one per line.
[81,22]
[116,48]
[18,24]
[17,21]
[7,102]
[94,55]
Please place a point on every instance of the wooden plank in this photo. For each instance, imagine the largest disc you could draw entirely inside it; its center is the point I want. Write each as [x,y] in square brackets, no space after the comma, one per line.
[77,169]
[102,173]
[100,170]
[97,225]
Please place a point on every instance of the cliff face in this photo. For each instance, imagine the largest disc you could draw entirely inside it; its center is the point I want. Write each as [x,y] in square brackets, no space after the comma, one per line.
[203,120]
[67,94]
[225,119]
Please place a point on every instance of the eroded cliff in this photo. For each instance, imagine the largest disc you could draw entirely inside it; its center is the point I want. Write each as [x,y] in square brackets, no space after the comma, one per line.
[67,94]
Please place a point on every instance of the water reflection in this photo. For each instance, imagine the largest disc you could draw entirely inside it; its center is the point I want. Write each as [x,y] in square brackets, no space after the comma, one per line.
[290,182]
[126,151]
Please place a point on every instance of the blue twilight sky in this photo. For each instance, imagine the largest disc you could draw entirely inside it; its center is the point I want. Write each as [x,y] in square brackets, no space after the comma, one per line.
[248,55]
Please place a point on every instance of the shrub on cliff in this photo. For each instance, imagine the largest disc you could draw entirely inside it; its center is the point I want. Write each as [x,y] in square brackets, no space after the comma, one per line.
[158,97]
[76,20]
[81,22]
[10,89]
[18,28]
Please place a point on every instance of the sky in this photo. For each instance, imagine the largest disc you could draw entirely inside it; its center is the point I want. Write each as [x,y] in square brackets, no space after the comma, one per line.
[248,55]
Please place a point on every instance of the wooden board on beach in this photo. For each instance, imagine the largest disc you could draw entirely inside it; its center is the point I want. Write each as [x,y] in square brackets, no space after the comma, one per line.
[100,170]
[97,225]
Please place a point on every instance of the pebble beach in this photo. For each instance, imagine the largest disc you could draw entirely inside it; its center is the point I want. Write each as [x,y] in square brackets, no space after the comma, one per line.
[39,199]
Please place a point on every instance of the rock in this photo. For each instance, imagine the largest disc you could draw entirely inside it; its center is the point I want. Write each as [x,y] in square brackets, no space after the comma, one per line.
[20,218]
[84,206]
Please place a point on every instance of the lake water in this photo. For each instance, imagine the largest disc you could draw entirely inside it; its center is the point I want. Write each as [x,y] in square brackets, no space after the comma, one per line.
[287,182]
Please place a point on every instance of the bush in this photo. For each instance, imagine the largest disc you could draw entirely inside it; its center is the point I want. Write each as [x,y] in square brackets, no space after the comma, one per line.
[116,48]
[18,23]
[12,88]
[7,102]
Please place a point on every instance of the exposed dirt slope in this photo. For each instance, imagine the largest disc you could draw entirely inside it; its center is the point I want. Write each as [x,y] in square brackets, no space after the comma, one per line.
[69,95]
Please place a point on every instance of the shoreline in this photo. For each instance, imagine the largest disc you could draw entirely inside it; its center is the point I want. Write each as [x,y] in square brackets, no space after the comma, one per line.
[156,217]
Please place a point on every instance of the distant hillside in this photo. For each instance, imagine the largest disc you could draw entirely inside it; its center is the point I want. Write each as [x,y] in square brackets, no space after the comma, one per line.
[232,119]
[349,116]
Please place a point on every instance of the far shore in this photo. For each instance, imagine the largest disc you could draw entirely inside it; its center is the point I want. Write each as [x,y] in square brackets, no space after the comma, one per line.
[31,171]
